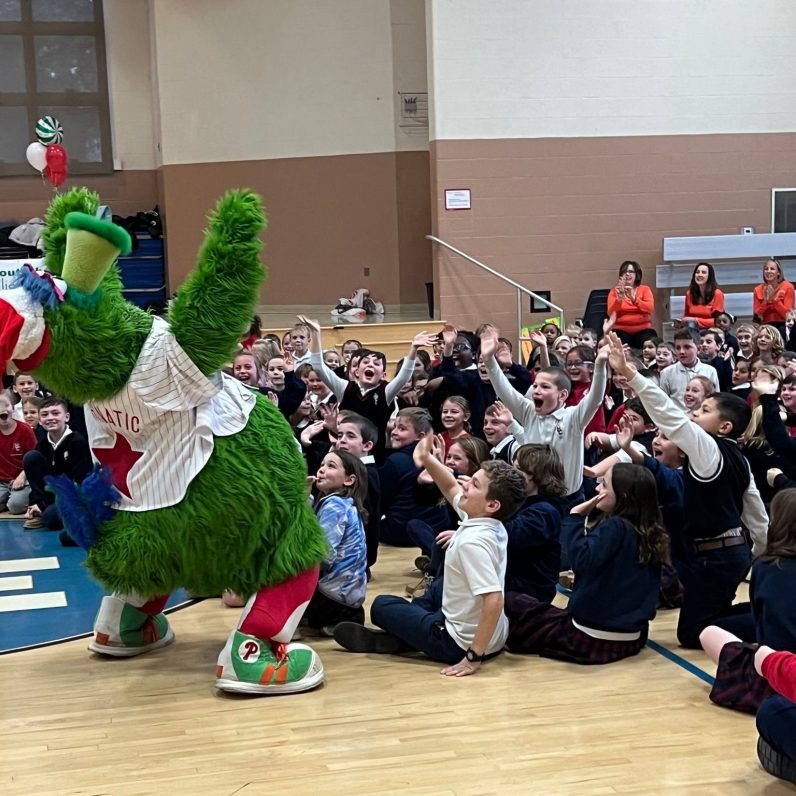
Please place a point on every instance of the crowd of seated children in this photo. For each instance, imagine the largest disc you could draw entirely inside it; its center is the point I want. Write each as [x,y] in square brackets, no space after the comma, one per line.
[681,473]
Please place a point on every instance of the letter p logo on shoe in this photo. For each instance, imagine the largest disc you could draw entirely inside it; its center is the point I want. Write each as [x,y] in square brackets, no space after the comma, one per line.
[249,651]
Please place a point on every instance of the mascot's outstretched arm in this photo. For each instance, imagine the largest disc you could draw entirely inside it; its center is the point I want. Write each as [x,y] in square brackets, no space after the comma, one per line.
[214,305]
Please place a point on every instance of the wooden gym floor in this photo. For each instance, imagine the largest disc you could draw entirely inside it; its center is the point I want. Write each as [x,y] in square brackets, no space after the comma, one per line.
[73,723]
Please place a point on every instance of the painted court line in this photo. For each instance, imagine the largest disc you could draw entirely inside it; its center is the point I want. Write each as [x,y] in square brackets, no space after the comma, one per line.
[16,583]
[682,662]
[30,602]
[29,564]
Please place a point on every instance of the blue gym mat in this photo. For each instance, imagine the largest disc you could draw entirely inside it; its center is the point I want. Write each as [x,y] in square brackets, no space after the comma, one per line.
[46,594]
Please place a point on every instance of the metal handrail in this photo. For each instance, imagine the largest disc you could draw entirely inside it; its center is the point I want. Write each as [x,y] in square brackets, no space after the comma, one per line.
[518,287]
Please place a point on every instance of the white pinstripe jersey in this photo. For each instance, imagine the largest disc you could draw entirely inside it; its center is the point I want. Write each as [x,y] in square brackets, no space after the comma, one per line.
[157,432]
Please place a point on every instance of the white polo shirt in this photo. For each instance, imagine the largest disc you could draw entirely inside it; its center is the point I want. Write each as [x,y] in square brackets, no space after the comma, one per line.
[475,564]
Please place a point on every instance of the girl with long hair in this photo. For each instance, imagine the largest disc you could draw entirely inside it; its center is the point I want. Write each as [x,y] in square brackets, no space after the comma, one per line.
[703,299]
[617,566]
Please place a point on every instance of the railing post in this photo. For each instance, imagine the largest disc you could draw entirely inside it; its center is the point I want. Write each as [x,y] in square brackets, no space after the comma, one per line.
[519,318]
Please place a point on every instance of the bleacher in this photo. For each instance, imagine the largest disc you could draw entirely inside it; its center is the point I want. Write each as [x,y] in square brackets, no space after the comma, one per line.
[736,259]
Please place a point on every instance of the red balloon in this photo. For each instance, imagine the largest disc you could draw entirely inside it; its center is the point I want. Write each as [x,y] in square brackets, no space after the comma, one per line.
[55,170]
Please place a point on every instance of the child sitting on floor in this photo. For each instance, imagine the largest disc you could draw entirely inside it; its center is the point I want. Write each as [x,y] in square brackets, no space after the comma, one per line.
[617,565]
[342,483]
[459,620]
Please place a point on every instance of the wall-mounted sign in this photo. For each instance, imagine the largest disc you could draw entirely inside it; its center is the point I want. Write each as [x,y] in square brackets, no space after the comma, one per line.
[457,198]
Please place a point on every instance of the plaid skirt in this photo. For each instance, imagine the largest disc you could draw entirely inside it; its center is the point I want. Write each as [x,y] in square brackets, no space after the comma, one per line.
[539,628]
[738,686]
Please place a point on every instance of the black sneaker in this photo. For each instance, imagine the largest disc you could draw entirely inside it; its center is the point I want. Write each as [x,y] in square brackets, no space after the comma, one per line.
[776,764]
[422,563]
[358,638]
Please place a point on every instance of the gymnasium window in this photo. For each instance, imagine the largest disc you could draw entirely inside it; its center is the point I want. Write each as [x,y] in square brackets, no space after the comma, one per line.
[783,210]
[52,63]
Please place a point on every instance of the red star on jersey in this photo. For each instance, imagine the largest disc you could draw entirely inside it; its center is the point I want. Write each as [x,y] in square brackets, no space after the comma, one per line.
[120,458]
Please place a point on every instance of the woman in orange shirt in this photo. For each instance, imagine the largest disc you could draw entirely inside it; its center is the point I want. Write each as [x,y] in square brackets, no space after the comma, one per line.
[703,299]
[774,297]
[631,305]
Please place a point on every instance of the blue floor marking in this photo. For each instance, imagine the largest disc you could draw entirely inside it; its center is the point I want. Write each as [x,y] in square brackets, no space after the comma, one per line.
[24,629]
[675,658]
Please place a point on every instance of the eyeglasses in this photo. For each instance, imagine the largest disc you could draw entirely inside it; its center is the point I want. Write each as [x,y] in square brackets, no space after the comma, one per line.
[577,363]
[462,347]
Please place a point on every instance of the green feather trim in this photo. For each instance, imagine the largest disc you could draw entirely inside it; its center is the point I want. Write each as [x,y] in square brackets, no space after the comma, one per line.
[244,523]
[113,233]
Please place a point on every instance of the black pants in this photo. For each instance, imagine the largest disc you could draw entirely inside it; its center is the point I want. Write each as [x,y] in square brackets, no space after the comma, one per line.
[323,611]
[710,586]
[36,468]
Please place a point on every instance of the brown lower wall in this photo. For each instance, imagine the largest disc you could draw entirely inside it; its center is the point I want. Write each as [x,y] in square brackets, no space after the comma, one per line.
[329,218]
[126,192]
[562,214]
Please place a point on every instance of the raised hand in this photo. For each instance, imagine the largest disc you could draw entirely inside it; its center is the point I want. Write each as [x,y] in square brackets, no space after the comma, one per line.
[424,340]
[438,447]
[315,326]
[608,323]
[329,413]
[449,335]
[502,414]
[423,450]
[624,434]
[765,384]
[616,357]
[537,338]
[503,356]
[489,344]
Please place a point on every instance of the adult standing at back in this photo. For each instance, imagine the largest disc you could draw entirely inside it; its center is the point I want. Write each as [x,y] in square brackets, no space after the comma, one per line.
[631,305]
[774,297]
[703,299]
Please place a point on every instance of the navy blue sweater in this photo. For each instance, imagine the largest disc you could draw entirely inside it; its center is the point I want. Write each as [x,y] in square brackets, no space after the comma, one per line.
[398,477]
[534,549]
[613,589]
[772,592]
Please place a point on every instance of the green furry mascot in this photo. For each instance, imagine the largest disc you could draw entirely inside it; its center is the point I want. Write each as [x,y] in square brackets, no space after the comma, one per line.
[200,483]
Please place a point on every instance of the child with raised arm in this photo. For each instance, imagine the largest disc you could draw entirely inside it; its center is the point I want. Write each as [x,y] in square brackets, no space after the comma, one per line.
[459,620]
[720,495]
[368,395]
[544,417]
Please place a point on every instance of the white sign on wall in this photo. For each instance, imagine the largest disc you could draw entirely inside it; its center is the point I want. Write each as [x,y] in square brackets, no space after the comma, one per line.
[9,268]
[457,199]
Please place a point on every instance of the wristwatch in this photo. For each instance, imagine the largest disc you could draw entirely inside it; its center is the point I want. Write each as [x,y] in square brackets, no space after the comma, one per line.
[473,656]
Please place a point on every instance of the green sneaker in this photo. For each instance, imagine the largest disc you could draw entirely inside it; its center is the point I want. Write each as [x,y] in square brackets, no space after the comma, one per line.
[121,630]
[250,665]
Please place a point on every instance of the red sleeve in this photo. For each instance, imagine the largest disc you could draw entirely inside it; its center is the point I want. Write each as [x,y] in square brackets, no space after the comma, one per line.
[613,304]
[783,300]
[644,300]
[757,306]
[687,309]
[779,669]
[718,301]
